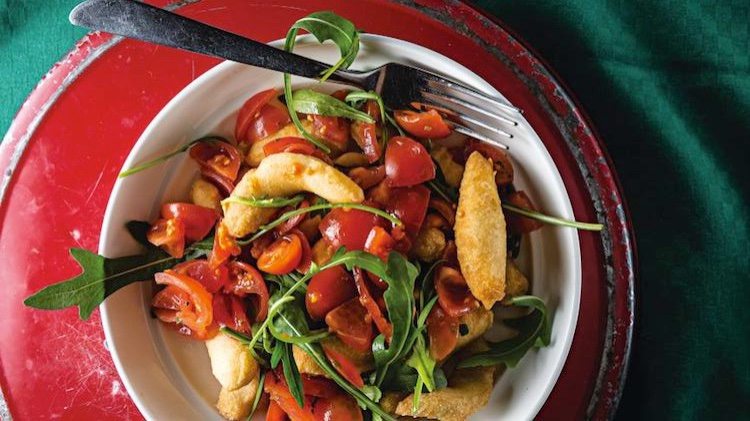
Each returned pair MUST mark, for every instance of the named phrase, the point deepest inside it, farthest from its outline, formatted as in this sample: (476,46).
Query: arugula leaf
(553,220)
(307,101)
(277,354)
(534,331)
(359,97)
(258,395)
(330,26)
(273,202)
(156,161)
(402,378)
(291,375)
(421,361)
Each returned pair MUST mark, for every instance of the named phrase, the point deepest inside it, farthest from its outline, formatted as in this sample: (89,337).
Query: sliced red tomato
(409,204)
(319,387)
(171,298)
(380,194)
(211,278)
(366,137)
(340,407)
(224,247)
(520,224)
(230,311)
(245,280)
(348,227)
(220,157)
(373,109)
(250,111)
(500,160)
(282,256)
(327,290)
(279,393)
(333,130)
(306,260)
(222,183)
(453,293)
(275,413)
(379,243)
(260,245)
(289,144)
(369,303)
(426,124)
(442,331)
(367,177)
(407,163)
(198,220)
(199,314)
(169,234)
(344,366)
(293,222)
(352,324)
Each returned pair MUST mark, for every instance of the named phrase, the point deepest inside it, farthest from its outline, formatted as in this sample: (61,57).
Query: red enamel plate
(63,151)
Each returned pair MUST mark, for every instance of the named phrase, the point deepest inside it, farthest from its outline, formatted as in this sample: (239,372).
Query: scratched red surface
(54,366)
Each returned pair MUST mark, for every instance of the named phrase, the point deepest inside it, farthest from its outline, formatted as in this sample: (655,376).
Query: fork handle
(141,21)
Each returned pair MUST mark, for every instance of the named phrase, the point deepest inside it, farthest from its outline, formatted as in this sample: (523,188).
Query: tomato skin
(500,161)
(275,413)
(348,227)
(410,204)
(282,256)
(295,145)
(169,234)
(352,324)
(426,124)
(379,243)
(520,224)
(327,290)
(279,393)
(367,177)
(369,303)
(442,331)
(224,247)
(220,157)
(339,407)
(319,387)
(222,183)
(345,367)
(293,222)
(250,111)
(229,311)
(201,271)
(198,220)
(333,130)
(272,117)
(245,280)
(407,163)
(171,298)
(365,135)
(453,292)
(305,260)
(199,314)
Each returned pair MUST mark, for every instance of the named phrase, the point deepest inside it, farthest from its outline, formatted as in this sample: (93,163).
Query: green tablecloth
(667,84)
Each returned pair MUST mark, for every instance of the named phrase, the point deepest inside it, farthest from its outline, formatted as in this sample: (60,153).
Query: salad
(340,260)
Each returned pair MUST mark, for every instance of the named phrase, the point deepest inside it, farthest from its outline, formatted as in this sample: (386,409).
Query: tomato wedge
(229,311)
(282,256)
(344,366)
(327,290)
(224,247)
(426,124)
(407,163)
(294,221)
(222,183)
(379,243)
(520,224)
(442,330)
(365,135)
(279,393)
(369,303)
(245,280)
(199,314)
(305,260)
(367,177)
(319,387)
(211,278)
(409,204)
(171,298)
(255,120)
(348,227)
(352,324)
(453,293)
(333,130)
(198,220)
(220,157)
(169,234)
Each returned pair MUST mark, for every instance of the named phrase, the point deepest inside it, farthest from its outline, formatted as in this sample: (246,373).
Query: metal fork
(471,112)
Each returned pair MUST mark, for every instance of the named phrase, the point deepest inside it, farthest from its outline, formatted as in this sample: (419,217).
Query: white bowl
(169,376)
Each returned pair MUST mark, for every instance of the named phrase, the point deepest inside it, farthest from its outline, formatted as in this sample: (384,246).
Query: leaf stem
(274,202)
(553,220)
(156,161)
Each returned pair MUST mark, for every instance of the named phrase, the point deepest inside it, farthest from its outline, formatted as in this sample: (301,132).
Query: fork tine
(467,105)
(470,120)
(442,85)
(471,133)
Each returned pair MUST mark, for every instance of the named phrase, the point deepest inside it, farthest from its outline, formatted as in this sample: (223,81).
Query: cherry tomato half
(282,256)
(198,220)
(333,130)
(339,407)
(379,243)
(218,156)
(224,246)
(365,135)
(453,293)
(327,290)
(169,234)
(255,120)
(171,298)
(352,324)
(211,278)
(520,224)
(199,314)
(442,330)
(367,177)
(409,204)
(229,311)
(245,280)
(306,260)
(292,223)
(369,303)
(319,387)
(348,227)
(426,124)
(407,163)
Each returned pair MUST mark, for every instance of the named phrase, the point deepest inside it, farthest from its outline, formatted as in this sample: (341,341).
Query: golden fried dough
(477,322)
(429,244)
(480,232)
(205,194)
(516,282)
(241,219)
(237,372)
